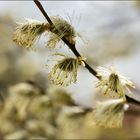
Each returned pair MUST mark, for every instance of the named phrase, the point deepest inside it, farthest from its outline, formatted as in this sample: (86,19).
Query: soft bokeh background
(110,33)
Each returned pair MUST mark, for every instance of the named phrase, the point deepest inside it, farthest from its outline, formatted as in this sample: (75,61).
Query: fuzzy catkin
(29,32)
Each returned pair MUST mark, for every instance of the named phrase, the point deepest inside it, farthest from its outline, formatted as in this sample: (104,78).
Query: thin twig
(39,5)
(71,46)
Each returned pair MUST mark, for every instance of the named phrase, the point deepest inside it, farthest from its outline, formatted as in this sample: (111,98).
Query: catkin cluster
(105,114)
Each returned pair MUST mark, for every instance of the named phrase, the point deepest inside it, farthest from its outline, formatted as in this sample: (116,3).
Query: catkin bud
(61,29)
(109,114)
(64,72)
(112,83)
(29,32)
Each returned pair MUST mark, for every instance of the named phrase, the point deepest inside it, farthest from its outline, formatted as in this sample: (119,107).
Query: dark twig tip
(43,11)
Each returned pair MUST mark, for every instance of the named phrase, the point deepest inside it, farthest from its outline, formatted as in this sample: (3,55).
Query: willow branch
(71,46)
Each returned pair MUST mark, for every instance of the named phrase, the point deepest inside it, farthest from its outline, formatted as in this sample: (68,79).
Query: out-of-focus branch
(131,100)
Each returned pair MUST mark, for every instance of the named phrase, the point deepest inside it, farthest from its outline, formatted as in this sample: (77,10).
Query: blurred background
(109,33)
